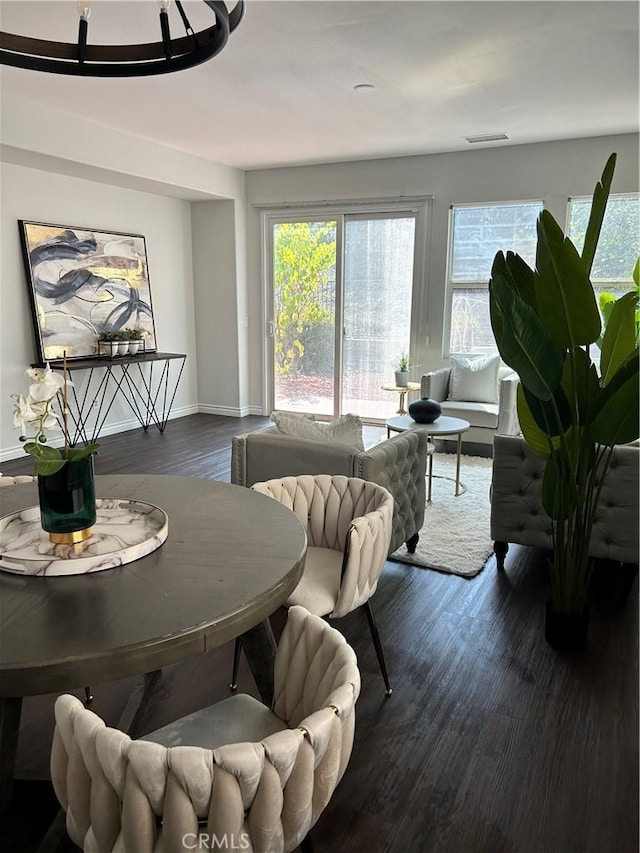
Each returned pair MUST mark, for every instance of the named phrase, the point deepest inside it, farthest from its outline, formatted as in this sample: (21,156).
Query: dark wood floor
(491,743)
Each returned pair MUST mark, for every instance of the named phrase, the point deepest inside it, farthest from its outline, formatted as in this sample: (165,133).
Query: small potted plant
(402,369)
(108,343)
(135,339)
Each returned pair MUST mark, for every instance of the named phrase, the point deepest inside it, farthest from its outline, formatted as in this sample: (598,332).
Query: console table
(150,393)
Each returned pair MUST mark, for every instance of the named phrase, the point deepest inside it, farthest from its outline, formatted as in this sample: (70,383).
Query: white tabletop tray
(124,531)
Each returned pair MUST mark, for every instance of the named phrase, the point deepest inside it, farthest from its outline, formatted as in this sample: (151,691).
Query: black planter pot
(425,411)
(566,632)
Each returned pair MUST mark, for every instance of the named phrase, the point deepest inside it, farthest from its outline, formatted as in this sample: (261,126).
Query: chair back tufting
(140,797)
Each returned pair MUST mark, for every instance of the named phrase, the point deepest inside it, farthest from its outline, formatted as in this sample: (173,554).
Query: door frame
(418,206)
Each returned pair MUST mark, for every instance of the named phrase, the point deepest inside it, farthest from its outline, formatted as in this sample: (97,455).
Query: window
(477,232)
(619,243)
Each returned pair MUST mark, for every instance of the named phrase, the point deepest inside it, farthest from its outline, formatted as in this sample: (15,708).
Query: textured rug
(455,537)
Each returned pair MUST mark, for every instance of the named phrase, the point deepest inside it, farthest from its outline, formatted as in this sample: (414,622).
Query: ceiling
(282,91)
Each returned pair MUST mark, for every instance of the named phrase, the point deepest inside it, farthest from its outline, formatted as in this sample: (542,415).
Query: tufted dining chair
(348,522)
(234,774)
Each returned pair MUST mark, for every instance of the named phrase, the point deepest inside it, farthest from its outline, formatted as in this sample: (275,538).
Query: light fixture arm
(128,60)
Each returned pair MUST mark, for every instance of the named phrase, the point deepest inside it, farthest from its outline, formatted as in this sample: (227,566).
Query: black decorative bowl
(425,411)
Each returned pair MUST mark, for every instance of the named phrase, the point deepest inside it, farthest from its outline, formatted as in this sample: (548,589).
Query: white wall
(60,168)
(166,224)
(550,171)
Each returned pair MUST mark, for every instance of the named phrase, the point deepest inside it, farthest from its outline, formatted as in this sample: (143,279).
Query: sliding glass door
(377,293)
(340,301)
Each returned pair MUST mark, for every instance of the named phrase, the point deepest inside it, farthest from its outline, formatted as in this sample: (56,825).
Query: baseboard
(231,411)
(17,451)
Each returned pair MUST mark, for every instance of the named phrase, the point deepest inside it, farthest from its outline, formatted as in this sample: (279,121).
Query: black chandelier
(126,60)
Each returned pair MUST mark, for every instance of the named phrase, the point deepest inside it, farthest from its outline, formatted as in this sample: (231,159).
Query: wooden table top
(231,558)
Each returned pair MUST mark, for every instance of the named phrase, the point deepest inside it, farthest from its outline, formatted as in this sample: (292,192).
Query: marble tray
(124,531)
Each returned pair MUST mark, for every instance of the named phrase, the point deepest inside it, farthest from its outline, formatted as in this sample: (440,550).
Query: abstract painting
(83,282)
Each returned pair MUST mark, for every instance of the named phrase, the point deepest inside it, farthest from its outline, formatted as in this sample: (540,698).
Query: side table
(402,390)
(441,426)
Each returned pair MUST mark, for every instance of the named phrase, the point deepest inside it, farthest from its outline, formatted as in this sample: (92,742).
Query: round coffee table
(441,426)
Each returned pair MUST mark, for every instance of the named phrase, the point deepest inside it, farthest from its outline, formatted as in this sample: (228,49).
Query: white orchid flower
(24,412)
(34,415)
(46,386)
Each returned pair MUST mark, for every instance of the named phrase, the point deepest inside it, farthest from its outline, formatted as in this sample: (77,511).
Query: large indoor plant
(545,322)
(65,474)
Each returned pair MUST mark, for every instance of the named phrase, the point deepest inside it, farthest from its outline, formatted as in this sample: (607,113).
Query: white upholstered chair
(348,523)
(487,419)
(259,777)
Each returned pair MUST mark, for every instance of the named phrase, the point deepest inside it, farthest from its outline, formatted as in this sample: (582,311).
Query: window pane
(378,282)
(480,232)
(619,243)
(477,234)
(304,271)
(470,324)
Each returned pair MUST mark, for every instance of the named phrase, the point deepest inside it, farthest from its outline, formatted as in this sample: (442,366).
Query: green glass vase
(68,502)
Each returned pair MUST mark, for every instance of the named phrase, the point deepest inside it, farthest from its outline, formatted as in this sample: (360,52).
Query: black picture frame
(83,281)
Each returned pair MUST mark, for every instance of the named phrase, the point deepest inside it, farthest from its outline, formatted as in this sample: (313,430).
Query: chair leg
(378,646)
(412,543)
(236,664)
(306,845)
(500,550)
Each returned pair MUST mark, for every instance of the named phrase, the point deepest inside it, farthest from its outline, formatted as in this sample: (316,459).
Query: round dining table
(231,558)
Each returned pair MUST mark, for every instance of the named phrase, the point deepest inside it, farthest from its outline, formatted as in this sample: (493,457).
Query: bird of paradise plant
(544,321)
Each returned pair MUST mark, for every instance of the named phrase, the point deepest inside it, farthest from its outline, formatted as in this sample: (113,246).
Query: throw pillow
(474,380)
(346,429)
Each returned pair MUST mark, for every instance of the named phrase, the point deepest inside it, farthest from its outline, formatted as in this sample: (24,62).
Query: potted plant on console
(66,486)
(545,321)
(108,343)
(135,338)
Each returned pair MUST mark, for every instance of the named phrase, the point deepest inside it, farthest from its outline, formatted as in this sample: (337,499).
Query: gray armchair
(517,514)
(486,419)
(398,464)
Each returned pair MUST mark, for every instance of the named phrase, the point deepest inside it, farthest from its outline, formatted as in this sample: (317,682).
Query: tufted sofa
(517,514)
(399,464)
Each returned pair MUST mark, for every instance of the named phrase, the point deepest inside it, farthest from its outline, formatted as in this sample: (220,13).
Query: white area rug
(455,537)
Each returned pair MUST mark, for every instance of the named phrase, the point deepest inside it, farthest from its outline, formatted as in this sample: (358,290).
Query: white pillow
(346,429)
(474,380)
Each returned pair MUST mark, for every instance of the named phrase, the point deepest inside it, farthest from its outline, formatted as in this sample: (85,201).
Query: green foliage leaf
(523,342)
(558,497)
(636,273)
(580,385)
(617,413)
(75,453)
(552,416)
(519,275)
(564,295)
(45,467)
(304,264)
(43,451)
(598,208)
(619,338)
(536,438)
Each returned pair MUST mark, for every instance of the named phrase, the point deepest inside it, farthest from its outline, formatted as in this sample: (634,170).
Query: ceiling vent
(487,137)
